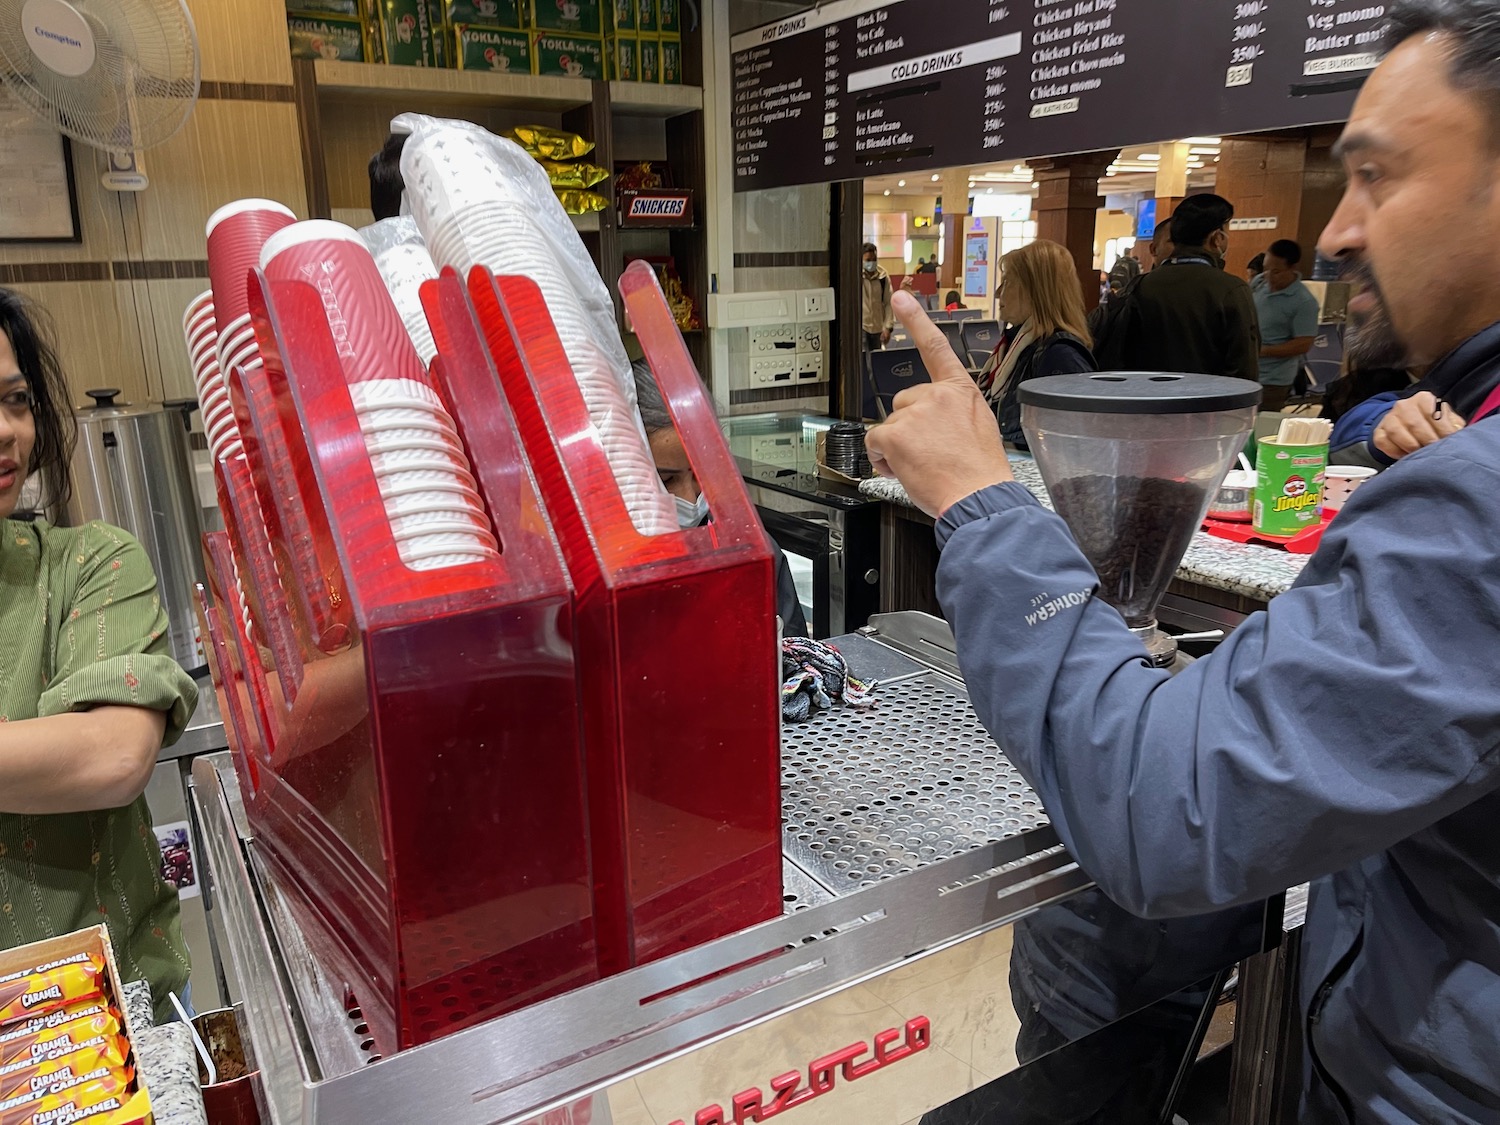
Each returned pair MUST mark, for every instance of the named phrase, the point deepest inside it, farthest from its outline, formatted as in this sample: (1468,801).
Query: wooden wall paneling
(1262,178)
(243,40)
(98,337)
(228,150)
(310,133)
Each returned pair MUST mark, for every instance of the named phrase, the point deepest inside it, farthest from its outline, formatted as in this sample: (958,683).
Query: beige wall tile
(243,40)
(228,150)
(99,339)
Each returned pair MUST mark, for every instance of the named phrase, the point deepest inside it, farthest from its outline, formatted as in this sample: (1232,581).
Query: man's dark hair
(1472,26)
(1197,217)
(1257,264)
(1287,250)
(869,249)
(31,339)
(386,184)
(1163,227)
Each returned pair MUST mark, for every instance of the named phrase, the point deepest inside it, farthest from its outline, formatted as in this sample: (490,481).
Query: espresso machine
(1131,460)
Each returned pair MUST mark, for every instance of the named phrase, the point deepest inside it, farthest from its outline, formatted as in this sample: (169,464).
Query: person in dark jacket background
(1348,735)
(1042,300)
(1187,314)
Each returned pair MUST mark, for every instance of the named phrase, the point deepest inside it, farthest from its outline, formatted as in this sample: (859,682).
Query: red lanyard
(1491,405)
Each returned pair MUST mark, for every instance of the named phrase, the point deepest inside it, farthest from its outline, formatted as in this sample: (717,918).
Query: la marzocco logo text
(788,1091)
(57,37)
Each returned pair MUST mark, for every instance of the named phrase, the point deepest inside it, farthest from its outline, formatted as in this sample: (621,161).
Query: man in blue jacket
(1351,734)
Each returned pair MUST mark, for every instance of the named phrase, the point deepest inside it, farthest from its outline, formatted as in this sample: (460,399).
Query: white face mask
(690,513)
(871,267)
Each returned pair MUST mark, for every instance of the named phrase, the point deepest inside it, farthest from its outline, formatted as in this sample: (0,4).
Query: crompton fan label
(58,36)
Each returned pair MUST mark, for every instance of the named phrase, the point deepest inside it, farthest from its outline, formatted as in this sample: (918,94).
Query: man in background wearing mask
(879,320)
(1187,314)
(676,474)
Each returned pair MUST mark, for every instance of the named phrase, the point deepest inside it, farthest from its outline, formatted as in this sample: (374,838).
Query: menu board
(857,88)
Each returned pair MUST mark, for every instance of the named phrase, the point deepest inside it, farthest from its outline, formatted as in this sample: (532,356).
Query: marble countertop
(1245,569)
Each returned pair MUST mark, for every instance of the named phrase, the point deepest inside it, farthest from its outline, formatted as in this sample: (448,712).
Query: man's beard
(1370,343)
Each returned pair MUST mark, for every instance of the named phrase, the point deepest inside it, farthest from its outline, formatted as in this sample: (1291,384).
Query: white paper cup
(1339,483)
(404,441)
(411,483)
(393,392)
(408,529)
(390,462)
(435,500)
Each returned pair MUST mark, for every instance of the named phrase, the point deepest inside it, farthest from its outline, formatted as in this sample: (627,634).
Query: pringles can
(1289,488)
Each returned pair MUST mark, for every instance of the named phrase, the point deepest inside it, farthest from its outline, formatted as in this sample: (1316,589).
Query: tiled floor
(962,991)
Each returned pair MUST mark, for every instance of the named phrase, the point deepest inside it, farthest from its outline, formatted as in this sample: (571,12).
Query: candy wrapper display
(64,1051)
(685,310)
(582,202)
(481,200)
(577,177)
(542,143)
(640,177)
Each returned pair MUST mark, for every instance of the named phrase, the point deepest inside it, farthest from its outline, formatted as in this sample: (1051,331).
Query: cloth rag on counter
(815,677)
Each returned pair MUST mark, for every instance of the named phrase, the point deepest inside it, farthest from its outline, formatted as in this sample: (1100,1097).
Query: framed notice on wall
(39,194)
(977,264)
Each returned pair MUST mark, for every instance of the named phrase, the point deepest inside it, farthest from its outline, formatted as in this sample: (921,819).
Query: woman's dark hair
(1473,28)
(386,184)
(952,298)
(1197,217)
(29,330)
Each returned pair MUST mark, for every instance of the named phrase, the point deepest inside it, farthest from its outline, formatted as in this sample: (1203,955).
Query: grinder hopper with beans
(1131,461)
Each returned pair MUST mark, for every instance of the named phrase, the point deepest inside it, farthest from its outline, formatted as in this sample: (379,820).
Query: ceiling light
(900,183)
(936,177)
(1204,151)
(989,191)
(1110,172)
(1018,169)
(888,191)
(1201,141)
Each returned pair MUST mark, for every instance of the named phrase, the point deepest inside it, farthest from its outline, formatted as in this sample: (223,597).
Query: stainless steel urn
(132,468)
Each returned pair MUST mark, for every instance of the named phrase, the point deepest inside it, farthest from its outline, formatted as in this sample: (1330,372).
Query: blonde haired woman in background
(1041,302)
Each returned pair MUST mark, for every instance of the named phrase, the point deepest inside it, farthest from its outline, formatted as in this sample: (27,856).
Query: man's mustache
(1358,273)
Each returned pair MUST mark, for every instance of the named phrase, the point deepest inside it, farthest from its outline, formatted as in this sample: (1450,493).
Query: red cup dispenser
(677,640)
(420,771)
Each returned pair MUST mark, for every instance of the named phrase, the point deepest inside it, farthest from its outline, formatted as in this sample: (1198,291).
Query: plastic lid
(1140,392)
(240,206)
(313,230)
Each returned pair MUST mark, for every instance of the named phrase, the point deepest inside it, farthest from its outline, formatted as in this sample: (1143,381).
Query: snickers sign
(662,207)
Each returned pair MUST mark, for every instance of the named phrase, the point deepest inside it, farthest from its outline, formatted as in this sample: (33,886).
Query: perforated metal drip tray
(868,795)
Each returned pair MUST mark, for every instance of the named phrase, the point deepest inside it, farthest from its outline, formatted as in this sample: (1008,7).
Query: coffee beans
(1134,532)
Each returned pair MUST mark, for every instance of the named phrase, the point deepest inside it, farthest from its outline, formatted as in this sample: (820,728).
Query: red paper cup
(236,233)
(372,337)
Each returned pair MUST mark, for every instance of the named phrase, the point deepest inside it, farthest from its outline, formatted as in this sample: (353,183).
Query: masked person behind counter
(88,696)
(692,508)
(1348,735)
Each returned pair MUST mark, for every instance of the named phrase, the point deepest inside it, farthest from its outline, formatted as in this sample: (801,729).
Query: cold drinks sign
(871,87)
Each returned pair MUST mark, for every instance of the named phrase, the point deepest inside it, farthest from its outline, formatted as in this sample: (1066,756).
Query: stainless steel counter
(205,730)
(906,876)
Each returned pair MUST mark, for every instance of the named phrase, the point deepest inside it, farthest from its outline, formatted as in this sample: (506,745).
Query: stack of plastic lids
(437,517)
(405,264)
(481,201)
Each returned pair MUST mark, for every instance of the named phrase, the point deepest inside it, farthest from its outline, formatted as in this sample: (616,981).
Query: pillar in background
(1067,209)
(1171,177)
(1263,179)
(955,211)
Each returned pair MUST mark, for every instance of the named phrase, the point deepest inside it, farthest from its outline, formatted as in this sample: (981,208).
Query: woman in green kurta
(88,695)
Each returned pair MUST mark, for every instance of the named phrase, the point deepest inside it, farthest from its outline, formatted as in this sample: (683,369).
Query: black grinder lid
(1140,392)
